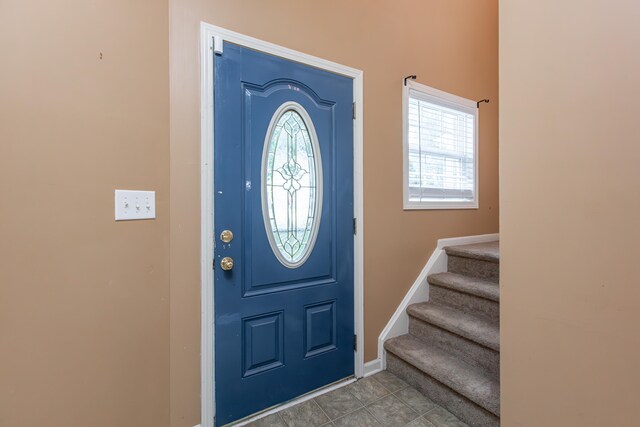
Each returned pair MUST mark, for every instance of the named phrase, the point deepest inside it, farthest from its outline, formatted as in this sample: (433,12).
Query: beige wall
(449,44)
(569,155)
(84,302)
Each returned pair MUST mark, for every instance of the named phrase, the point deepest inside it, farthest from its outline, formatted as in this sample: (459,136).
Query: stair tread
(475,328)
(466,284)
(472,382)
(486,251)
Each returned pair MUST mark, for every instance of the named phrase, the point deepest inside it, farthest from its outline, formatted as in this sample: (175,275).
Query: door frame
(211,42)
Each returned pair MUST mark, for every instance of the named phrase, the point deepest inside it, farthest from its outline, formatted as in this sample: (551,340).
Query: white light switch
(133,204)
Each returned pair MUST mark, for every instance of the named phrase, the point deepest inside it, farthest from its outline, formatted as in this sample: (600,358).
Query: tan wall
(84,302)
(451,45)
(569,213)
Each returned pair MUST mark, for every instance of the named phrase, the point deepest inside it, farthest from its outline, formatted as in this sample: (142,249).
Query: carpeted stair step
(466,391)
(478,329)
(486,251)
(481,260)
(466,293)
(469,351)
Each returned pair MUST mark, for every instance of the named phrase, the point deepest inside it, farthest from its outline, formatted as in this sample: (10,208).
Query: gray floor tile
(338,402)
(440,417)
(272,420)
(367,390)
(360,418)
(390,381)
(420,422)
(306,414)
(416,400)
(391,412)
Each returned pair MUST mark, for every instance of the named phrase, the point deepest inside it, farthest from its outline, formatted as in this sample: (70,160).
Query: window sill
(451,205)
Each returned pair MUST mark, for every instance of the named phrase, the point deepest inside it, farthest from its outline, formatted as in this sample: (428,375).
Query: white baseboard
(372,367)
(419,291)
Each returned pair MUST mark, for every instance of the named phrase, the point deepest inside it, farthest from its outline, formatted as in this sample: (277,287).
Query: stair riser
(455,403)
(468,303)
(469,351)
(474,268)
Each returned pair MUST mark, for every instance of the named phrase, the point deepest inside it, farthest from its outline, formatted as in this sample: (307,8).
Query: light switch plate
(134,204)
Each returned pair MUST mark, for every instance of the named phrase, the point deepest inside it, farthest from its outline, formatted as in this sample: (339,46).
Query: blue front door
(283,214)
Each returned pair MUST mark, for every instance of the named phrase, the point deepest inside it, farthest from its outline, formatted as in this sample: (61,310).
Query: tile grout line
(430,424)
(401,401)
(366,406)
(394,394)
(360,408)
(343,415)
(437,405)
(279,414)
(374,417)
(407,403)
(389,393)
(373,377)
(323,411)
(415,410)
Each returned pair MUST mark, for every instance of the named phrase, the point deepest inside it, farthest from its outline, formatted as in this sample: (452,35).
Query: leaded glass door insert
(292,184)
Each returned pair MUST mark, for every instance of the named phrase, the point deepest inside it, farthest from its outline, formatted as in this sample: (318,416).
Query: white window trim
(446,99)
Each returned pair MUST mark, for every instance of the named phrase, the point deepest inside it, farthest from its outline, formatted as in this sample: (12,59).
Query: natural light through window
(440,149)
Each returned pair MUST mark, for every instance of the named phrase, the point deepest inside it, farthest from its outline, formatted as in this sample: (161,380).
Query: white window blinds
(440,148)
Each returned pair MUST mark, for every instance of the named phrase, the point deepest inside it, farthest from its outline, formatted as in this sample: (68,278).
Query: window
(440,149)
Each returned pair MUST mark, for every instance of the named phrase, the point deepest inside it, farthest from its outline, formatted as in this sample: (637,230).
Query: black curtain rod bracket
(412,77)
(481,101)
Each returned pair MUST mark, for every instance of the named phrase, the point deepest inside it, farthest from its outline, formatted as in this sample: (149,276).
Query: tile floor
(381,400)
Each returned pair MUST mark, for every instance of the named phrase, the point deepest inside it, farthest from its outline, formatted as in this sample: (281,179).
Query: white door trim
(211,40)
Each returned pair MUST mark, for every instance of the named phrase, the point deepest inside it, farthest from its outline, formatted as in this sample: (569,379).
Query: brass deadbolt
(226,236)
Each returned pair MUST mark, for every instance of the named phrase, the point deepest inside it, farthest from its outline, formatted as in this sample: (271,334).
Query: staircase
(452,351)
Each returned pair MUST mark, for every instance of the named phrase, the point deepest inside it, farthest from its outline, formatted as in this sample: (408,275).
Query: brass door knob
(226,263)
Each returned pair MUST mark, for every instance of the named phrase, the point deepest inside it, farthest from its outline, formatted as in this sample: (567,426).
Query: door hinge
(353,111)
(355,226)
(355,342)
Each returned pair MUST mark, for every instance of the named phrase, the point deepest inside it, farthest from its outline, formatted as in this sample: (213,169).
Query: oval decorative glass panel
(292,184)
